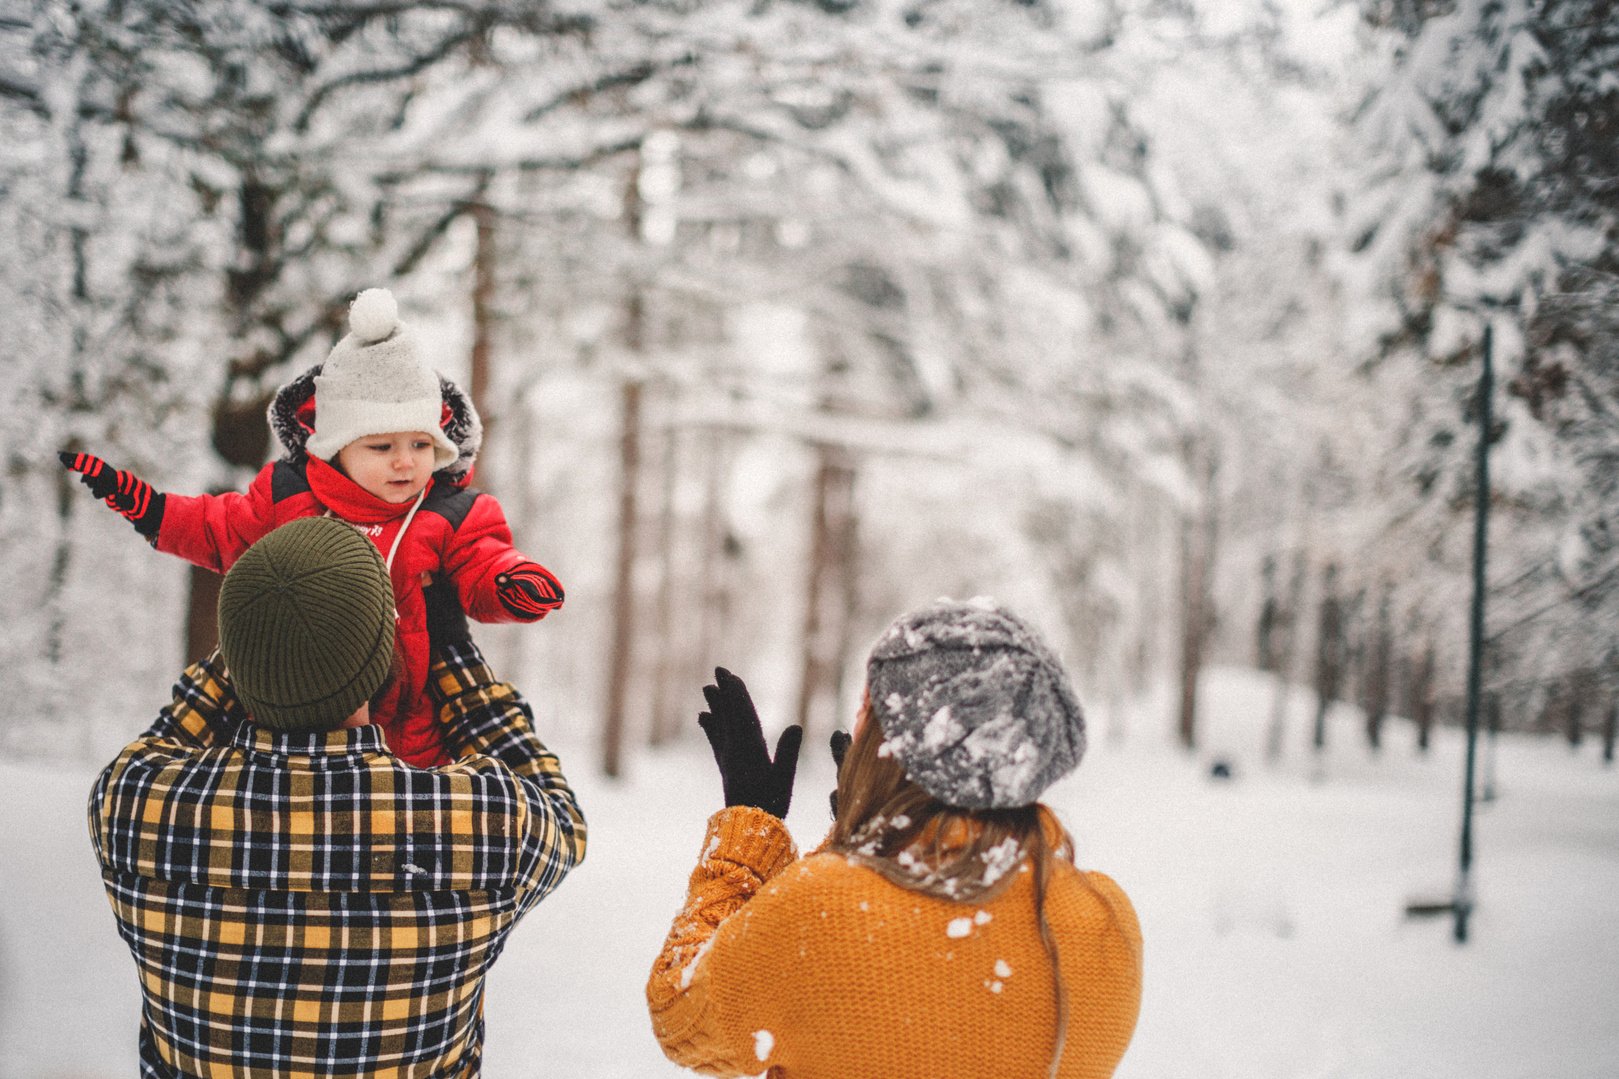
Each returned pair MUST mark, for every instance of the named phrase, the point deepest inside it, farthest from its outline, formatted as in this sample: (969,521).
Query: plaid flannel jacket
(309,905)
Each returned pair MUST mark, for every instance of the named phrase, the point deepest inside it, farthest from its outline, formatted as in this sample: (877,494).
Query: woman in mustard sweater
(941,929)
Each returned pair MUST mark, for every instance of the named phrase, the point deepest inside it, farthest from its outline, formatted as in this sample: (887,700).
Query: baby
(375,438)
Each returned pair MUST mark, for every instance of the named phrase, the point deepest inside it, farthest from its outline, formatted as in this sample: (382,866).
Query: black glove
(840,747)
(529,591)
(125,492)
(747,774)
(446,622)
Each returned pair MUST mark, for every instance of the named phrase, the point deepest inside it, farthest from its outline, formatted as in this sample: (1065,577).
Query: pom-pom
(374,315)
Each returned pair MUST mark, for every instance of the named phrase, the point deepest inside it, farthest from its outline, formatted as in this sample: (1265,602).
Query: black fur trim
(283,415)
(464,427)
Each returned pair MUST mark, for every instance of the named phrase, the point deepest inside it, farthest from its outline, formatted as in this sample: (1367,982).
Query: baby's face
(394,467)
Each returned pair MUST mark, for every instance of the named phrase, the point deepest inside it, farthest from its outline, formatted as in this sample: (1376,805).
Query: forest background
(1162,322)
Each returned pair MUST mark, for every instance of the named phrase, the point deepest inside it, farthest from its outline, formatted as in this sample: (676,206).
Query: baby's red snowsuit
(456,533)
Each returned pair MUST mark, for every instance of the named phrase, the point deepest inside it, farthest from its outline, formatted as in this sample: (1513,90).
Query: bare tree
(828,580)
(1376,681)
(620,655)
(1199,533)
(1331,654)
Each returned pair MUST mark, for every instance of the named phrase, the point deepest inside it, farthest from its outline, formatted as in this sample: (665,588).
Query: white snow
(763,1043)
(958,927)
(1276,946)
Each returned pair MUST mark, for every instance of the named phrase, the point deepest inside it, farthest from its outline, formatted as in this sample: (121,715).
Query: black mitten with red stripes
(529,591)
(125,492)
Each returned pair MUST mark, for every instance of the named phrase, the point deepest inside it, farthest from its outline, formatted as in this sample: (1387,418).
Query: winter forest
(1161,321)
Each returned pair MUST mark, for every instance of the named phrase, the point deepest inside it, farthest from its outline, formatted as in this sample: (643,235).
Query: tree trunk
(1330,655)
(241,437)
(1198,536)
(713,554)
(825,614)
(1422,697)
(1580,689)
(61,562)
(483,297)
(620,664)
(849,597)
(665,723)
(1285,651)
(1610,728)
(240,433)
(1380,658)
(1268,633)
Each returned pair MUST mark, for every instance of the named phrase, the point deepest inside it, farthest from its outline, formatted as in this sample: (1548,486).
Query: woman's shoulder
(820,870)
(1097,895)
(827,881)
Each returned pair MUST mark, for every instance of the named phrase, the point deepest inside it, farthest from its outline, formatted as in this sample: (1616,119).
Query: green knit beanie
(306,624)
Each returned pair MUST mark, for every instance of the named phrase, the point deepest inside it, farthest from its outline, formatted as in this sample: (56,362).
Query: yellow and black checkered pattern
(309,905)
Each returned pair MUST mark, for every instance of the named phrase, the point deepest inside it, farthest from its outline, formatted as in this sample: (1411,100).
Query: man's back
(306,904)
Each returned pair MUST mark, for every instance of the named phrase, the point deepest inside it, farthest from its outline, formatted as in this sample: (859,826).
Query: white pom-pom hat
(374,382)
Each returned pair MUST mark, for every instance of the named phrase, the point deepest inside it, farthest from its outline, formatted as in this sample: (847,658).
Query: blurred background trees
(785,316)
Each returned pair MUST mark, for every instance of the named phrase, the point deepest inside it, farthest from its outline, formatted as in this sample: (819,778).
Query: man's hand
(747,773)
(528,591)
(125,492)
(446,622)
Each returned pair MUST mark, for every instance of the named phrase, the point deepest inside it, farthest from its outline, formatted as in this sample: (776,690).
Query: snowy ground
(1271,905)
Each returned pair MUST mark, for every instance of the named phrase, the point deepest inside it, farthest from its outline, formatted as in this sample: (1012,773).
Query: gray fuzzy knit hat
(306,624)
(976,708)
(374,382)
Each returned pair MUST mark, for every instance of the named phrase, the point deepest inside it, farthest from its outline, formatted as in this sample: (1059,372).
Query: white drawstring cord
(401,533)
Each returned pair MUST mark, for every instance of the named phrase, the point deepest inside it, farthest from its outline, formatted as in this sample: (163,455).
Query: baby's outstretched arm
(210,531)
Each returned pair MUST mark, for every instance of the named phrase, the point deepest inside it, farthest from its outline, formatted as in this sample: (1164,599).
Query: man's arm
(204,711)
(488,718)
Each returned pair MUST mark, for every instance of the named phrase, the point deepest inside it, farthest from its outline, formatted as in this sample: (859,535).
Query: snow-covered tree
(1491,148)
(952,221)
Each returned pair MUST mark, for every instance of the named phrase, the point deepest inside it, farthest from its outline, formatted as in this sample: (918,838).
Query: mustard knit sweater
(817,968)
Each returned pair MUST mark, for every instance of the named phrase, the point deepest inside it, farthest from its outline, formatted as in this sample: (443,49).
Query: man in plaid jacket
(300,902)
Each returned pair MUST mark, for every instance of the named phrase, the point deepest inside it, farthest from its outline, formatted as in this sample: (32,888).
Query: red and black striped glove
(529,591)
(125,492)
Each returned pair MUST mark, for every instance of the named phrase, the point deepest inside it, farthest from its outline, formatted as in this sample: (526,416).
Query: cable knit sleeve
(742,850)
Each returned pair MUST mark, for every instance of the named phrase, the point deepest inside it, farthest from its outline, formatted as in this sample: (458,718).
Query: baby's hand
(529,591)
(124,492)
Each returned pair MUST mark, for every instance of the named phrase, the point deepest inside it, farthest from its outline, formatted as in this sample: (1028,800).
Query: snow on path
(1271,905)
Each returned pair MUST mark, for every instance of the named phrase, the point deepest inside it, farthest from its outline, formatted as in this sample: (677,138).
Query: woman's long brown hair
(890,824)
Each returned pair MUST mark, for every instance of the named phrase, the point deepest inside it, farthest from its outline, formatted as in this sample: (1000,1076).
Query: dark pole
(1475,649)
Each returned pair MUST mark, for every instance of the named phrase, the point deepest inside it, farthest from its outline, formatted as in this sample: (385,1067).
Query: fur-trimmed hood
(292,418)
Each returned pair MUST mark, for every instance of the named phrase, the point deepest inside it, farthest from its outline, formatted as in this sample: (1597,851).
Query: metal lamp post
(1475,651)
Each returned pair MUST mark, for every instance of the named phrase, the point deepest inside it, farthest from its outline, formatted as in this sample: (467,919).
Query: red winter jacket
(458,533)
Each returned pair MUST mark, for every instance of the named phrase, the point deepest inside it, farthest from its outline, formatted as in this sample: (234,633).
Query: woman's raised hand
(840,747)
(747,773)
